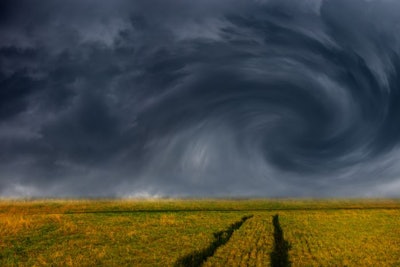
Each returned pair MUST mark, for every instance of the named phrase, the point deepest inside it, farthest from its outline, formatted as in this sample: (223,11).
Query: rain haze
(173,98)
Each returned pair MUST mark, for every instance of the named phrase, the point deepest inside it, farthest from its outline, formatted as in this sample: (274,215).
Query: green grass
(160,232)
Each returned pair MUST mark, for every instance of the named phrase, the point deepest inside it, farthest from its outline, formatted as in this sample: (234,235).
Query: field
(254,232)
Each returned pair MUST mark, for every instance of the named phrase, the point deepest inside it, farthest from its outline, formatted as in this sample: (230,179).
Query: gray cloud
(174,98)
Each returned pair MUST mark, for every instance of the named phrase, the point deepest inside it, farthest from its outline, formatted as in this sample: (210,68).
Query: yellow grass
(343,238)
(159,232)
(249,246)
(30,237)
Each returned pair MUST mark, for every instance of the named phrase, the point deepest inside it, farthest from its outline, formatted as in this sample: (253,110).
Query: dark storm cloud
(230,97)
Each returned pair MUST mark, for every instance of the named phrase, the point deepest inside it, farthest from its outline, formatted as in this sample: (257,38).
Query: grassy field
(200,232)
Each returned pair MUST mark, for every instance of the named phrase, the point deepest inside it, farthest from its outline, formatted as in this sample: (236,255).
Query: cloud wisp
(213,98)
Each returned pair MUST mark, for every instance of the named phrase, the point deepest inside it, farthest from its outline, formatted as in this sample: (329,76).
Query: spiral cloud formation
(200,98)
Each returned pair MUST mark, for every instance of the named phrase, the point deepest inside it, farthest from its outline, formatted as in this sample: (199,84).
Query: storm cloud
(199,98)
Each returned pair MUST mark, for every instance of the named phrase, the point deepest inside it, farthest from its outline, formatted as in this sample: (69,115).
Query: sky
(174,98)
